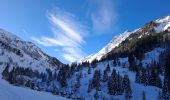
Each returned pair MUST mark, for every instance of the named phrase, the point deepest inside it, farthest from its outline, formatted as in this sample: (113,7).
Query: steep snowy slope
(151,92)
(162,24)
(16,52)
(114,43)
(20,53)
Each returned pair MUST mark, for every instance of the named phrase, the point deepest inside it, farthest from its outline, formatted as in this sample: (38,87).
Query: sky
(72,29)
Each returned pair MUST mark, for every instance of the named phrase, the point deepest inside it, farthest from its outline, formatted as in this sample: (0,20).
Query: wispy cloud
(103,15)
(68,34)
(46,41)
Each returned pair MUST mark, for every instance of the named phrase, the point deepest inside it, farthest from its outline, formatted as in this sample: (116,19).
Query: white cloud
(68,34)
(47,41)
(72,53)
(103,15)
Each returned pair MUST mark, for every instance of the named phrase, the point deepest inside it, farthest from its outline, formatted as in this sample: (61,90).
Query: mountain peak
(163,19)
(162,25)
(111,45)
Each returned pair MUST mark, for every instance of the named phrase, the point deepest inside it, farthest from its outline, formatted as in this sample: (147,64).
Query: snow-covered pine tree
(89,70)
(132,62)
(62,76)
(77,83)
(108,68)
(105,75)
(127,87)
(111,85)
(96,80)
(90,86)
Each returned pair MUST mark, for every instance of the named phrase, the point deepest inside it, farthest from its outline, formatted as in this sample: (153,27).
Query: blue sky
(72,29)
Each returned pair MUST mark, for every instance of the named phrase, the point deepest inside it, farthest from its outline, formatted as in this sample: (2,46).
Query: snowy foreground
(10,92)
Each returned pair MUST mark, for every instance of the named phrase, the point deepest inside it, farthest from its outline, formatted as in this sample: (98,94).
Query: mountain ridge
(164,25)
(15,45)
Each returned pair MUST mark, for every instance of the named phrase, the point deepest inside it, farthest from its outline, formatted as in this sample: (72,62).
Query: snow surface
(10,92)
(152,56)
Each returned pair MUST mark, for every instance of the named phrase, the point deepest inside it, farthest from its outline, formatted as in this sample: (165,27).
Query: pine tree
(153,78)
(73,68)
(5,72)
(77,84)
(143,76)
(111,86)
(89,70)
(105,76)
(119,84)
(49,73)
(113,73)
(90,86)
(55,75)
(143,96)
(43,77)
(166,85)
(96,79)
(108,68)
(62,76)
(114,63)
(138,76)
(127,87)
(12,76)
(132,62)
(115,84)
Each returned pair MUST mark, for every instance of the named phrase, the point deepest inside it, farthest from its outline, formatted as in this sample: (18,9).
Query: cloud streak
(68,34)
(103,15)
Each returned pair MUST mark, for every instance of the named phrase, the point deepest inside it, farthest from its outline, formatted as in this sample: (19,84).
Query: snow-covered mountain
(162,24)
(17,53)
(111,45)
(133,66)
(20,53)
